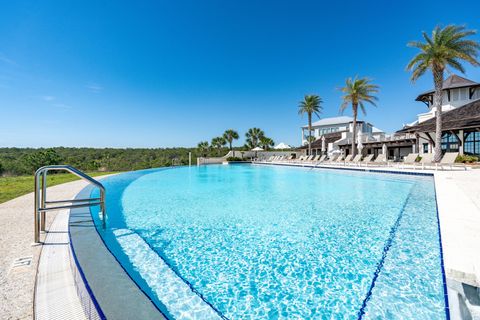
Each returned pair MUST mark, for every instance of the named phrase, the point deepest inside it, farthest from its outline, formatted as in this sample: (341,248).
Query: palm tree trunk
(230,143)
(355,109)
(437,103)
(309,134)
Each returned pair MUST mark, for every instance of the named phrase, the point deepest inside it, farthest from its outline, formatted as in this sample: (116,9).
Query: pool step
(170,289)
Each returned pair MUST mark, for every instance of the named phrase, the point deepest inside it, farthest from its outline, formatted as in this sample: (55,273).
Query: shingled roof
(465,117)
(451,82)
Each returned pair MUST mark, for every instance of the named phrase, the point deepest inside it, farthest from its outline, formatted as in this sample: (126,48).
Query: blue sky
(172,73)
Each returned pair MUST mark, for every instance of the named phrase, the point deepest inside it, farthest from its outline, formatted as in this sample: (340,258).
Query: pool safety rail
(41,205)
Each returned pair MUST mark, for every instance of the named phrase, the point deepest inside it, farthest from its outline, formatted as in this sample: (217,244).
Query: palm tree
(253,136)
(357,92)
(311,105)
(266,143)
(229,136)
(447,47)
(218,143)
(202,146)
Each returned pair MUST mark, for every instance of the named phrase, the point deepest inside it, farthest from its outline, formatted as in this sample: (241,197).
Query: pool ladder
(41,205)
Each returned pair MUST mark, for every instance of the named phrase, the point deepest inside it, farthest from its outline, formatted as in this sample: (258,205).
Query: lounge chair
(338,160)
(315,159)
(347,160)
(449,160)
(356,160)
(322,159)
(427,159)
(333,158)
(410,159)
(381,159)
(368,159)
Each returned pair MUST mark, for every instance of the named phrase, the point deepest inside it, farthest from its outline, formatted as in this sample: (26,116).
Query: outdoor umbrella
(257,149)
(323,145)
(359,142)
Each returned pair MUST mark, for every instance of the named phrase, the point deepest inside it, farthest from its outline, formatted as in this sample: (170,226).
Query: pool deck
(458,198)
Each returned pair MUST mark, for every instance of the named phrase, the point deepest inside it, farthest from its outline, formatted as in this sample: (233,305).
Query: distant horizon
(166,75)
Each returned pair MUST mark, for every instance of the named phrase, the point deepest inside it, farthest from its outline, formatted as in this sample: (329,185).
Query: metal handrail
(40,204)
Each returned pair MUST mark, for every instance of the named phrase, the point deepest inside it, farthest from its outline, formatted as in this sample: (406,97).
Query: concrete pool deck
(458,198)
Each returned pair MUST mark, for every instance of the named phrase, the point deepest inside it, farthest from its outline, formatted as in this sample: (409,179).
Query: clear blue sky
(158,73)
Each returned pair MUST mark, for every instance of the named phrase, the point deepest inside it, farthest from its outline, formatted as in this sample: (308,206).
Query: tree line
(22,161)
(254,137)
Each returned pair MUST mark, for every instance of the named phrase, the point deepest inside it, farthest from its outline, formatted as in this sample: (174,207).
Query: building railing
(41,205)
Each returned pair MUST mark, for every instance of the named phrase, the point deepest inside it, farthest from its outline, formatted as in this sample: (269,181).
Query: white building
(337,130)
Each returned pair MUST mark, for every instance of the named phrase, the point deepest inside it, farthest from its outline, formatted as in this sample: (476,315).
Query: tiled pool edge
(444,277)
(149,309)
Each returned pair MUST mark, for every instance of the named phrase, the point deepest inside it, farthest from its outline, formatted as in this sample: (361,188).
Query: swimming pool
(269,242)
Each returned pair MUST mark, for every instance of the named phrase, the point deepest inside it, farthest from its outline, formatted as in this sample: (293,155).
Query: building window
(425,148)
(471,144)
(463,94)
(449,142)
(454,95)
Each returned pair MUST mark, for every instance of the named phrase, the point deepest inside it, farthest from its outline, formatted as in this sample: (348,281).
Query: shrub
(234,159)
(466,159)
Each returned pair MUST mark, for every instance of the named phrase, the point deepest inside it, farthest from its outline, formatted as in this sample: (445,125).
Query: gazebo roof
(451,82)
(465,117)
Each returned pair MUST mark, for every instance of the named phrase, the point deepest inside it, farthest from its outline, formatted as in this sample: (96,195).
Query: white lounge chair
(410,159)
(347,159)
(356,160)
(368,159)
(427,159)
(449,160)
(381,159)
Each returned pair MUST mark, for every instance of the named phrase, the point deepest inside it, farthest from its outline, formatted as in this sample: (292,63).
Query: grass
(12,187)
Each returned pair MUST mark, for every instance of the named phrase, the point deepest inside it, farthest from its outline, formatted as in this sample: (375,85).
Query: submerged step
(170,289)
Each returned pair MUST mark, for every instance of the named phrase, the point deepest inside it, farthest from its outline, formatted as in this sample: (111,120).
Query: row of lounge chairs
(410,161)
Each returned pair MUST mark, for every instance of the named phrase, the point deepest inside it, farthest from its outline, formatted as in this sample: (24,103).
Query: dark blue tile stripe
(444,278)
(386,249)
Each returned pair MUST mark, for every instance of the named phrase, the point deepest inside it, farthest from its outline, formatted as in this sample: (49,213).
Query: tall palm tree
(311,105)
(230,135)
(266,143)
(253,136)
(218,143)
(446,47)
(357,92)
(202,146)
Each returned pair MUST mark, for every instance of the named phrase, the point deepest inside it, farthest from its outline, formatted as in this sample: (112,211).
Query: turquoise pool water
(270,242)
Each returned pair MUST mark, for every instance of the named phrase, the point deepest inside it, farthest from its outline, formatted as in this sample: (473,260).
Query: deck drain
(22,262)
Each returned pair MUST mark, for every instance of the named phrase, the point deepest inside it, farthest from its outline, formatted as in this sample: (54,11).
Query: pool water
(274,242)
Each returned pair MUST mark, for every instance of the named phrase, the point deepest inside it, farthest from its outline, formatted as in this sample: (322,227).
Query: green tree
(42,158)
(310,105)
(202,147)
(253,136)
(447,47)
(230,135)
(218,143)
(265,143)
(357,92)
